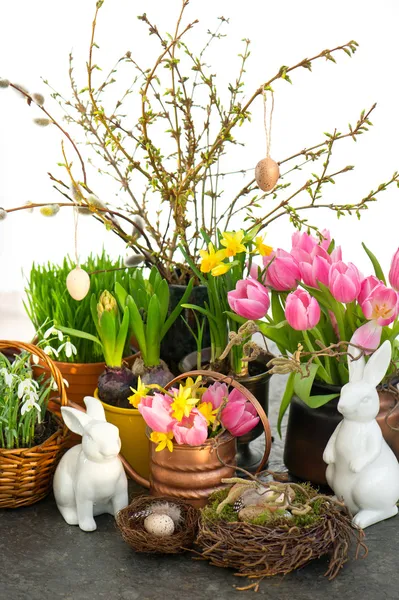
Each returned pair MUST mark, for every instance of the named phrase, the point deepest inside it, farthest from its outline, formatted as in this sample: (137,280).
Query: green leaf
(121,337)
(285,401)
(377,267)
(107,324)
(121,295)
(137,325)
(205,312)
(162,293)
(80,334)
(317,401)
(152,332)
(277,309)
(178,309)
(303,381)
(192,266)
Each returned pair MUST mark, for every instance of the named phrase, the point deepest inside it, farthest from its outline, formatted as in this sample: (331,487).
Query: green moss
(228,514)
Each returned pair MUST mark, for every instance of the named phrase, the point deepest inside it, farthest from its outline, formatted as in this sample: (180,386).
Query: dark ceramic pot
(309,429)
(179,342)
(249,455)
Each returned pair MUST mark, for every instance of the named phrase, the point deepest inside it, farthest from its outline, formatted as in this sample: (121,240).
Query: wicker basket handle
(54,370)
(230,381)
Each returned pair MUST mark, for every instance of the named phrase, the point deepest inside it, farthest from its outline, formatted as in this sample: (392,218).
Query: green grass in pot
(48,301)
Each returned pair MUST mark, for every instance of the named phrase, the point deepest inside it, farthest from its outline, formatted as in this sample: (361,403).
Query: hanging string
(268,126)
(75,221)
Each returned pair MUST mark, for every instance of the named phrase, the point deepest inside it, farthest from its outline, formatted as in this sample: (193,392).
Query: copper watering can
(193,473)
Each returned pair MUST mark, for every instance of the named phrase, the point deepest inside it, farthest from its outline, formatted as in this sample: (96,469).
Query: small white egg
(159,525)
(78,283)
(267,173)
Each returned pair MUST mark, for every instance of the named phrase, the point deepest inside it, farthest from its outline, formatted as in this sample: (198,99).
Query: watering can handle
(128,469)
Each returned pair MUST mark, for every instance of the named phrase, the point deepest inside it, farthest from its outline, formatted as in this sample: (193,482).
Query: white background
(36,38)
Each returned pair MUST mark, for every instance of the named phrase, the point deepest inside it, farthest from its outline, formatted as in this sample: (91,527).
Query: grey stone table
(42,558)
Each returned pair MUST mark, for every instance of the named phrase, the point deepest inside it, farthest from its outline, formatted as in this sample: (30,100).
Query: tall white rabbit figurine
(362,469)
(90,479)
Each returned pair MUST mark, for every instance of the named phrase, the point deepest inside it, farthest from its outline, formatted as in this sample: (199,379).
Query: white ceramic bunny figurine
(90,479)
(362,469)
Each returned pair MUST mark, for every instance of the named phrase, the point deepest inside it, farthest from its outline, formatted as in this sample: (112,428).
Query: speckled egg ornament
(267,171)
(159,525)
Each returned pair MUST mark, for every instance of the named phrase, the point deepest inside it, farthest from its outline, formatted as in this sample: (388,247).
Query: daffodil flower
(211,258)
(141,392)
(232,241)
(196,389)
(206,409)
(221,269)
(49,350)
(164,440)
(262,248)
(29,402)
(27,386)
(69,349)
(182,403)
(53,331)
(8,377)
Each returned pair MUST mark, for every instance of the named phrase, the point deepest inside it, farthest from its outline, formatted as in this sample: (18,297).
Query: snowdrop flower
(27,386)
(69,349)
(50,350)
(35,359)
(8,377)
(29,402)
(54,331)
(66,383)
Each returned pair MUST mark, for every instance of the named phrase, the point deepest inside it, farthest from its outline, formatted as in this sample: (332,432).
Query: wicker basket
(26,473)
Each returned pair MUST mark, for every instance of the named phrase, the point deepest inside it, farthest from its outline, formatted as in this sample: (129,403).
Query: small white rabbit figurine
(90,479)
(362,469)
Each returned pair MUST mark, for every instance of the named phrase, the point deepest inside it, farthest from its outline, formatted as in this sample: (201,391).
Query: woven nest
(282,544)
(130,522)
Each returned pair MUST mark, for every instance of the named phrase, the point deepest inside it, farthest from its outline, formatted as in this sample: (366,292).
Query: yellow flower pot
(135,443)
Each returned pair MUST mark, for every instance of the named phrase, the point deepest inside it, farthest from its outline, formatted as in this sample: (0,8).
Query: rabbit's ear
(75,420)
(378,364)
(94,408)
(356,367)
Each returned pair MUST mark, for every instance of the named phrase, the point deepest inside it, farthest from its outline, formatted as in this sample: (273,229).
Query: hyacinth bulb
(78,283)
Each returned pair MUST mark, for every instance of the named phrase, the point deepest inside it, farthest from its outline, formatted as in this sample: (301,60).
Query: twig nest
(159,525)
(267,173)
(78,283)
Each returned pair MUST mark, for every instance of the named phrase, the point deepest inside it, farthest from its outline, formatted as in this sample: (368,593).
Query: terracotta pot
(309,429)
(193,473)
(249,455)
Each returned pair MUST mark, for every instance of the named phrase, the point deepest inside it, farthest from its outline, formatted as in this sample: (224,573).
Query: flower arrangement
(318,303)
(23,402)
(193,413)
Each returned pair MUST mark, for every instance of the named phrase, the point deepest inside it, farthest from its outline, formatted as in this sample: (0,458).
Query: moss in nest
(228,514)
(269,517)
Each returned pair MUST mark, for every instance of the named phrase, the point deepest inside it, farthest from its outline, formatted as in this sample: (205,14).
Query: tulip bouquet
(318,302)
(193,413)
(222,268)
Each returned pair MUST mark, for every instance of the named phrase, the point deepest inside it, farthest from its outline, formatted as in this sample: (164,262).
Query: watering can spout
(130,472)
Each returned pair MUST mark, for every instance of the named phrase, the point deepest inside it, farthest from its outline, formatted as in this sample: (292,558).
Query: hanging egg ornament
(267,173)
(78,283)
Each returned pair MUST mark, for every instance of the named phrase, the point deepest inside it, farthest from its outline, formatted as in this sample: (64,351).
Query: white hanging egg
(159,525)
(78,283)
(267,173)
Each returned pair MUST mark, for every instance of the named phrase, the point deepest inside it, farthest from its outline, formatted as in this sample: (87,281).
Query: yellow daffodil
(196,389)
(232,241)
(183,402)
(138,394)
(206,408)
(211,258)
(164,440)
(262,248)
(220,269)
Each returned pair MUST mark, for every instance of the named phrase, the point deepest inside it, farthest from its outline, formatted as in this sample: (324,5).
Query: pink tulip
(381,305)
(215,394)
(302,311)
(192,430)
(316,271)
(368,284)
(327,239)
(283,272)
(240,415)
(394,271)
(303,241)
(368,336)
(250,299)
(155,411)
(344,281)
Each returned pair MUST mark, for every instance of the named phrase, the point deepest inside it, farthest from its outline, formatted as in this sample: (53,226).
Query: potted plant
(192,430)
(318,305)
(32,440)
(50,308)
(181,187)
